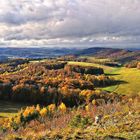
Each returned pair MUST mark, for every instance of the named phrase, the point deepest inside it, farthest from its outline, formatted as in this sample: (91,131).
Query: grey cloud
(80,21)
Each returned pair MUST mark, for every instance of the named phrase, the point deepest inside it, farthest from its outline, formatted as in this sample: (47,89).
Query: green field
(131,81)
(94,59)
(9,109)
(107,69)
(130,78)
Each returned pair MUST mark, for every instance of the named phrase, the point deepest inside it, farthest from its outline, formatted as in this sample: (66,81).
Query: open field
(107,69)
(130,78)
(97,60)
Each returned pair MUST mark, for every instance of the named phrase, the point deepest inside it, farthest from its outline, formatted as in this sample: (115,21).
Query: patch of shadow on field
(115,83)
(118,82)
(8,110)
(2,117)
(109,74)
(6,107)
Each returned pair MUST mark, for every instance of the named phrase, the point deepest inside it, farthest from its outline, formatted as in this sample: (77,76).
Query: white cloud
(42,22)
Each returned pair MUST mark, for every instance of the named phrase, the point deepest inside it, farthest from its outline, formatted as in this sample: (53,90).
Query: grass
(9,109)
(36,61)
(106,68)
(94,59)
(130,78)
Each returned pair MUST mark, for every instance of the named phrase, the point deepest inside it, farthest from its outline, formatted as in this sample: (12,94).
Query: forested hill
(122,55)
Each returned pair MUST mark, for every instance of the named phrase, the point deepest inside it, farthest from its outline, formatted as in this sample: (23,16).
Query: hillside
(121,55)
(130,78)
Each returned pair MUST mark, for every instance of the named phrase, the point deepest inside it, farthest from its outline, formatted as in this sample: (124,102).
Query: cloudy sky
(50,22)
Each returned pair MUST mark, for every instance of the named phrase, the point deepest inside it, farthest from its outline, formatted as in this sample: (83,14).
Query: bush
(79,121)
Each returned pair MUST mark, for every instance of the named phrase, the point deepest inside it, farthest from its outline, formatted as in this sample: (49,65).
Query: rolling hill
(121,55)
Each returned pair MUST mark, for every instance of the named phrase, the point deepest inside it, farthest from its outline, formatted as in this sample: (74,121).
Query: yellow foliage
(38,107)
(52,107)
(8,125)
(98,91)
(29,110)
(106,117)
(62,107)
(87,107)
(87,93)
(25,113)
(94,102)
(18,119)
(43,112)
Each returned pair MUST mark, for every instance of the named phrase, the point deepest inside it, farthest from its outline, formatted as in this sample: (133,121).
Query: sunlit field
(130,78)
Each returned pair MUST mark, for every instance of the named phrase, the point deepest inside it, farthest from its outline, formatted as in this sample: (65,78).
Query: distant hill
(121,55)
(34,53)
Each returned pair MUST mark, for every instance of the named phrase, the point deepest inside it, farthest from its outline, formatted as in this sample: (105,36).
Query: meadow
(129,77)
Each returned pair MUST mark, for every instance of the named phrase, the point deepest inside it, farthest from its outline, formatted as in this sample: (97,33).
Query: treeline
(13,65)
(85,69)
(54,82)
(53,65)
(47,95)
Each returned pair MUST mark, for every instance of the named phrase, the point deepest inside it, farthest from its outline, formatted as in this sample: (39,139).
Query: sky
(69,22)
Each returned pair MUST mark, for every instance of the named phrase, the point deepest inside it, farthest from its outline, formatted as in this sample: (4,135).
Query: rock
(98,119)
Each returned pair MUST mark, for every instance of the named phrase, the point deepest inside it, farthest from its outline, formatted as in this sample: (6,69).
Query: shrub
(62,107)
(79,121)
(43,112)
(51,108)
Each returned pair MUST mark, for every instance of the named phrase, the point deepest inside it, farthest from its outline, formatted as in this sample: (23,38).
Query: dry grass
(120,119)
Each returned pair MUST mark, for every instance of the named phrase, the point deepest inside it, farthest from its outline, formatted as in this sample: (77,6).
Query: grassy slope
(106,68)
(93,59)
(130,77)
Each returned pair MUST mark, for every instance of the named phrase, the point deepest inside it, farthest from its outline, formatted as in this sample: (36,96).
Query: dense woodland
(54,82)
